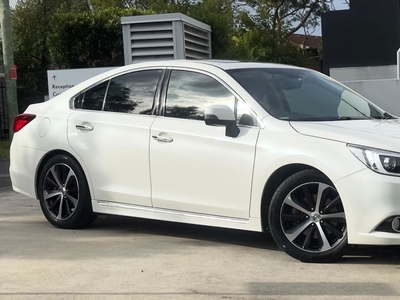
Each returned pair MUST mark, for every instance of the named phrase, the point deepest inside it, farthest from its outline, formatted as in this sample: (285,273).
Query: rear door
(110,128)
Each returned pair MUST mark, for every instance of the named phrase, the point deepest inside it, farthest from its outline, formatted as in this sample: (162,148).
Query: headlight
(381,161)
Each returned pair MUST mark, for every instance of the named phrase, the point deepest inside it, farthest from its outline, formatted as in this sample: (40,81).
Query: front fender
(276,149)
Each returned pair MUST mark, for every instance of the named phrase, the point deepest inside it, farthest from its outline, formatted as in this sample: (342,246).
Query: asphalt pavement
(128,258)
(4,174)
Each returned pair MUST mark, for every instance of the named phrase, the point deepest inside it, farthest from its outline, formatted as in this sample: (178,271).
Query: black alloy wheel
(64,194)
(307,218)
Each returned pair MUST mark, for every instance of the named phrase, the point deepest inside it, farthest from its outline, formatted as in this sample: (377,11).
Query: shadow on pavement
(354,254)
(195,232)
(373,255)
(24,225)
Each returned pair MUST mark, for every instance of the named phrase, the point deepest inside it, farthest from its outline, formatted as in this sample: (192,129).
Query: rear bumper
(369,199)
(23,167)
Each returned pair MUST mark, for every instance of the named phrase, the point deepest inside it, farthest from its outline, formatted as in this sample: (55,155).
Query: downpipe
(398,64)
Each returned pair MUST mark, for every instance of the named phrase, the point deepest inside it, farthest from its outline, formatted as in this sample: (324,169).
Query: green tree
(265,25)
(286,16)
(88,39)
(32,23)
(105,4)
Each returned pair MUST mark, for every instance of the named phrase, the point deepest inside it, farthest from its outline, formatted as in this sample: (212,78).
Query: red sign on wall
(13,72)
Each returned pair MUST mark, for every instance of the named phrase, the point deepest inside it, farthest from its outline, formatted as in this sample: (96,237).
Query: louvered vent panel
(165,37)
(197,43)
(152,41)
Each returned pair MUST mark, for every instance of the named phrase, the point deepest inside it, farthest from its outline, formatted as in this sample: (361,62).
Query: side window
(189,93)
(133,92)
(93,98)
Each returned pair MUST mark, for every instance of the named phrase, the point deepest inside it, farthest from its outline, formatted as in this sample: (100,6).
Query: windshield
(304,95)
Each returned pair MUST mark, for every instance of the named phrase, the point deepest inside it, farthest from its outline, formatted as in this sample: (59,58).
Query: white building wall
(364,73)
(384,93)
(377,84)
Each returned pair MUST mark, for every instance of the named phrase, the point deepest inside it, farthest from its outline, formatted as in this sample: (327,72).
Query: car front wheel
(307,218)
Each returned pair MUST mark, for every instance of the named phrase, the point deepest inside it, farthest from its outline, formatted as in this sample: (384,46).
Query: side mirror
(222,115)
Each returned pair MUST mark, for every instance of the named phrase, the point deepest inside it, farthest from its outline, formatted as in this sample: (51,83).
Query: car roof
(231,64)
(222,64)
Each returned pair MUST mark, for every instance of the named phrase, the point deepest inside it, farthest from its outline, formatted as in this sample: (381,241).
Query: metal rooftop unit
(165,36)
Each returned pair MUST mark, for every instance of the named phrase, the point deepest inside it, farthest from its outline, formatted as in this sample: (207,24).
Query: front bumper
(369,199)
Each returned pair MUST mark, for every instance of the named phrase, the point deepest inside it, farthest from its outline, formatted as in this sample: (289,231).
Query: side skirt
(129,210)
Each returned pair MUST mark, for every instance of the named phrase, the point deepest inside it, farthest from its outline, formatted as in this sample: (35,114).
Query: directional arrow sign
(62,80)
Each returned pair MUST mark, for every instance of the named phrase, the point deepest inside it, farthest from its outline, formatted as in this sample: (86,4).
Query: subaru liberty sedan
(249,146)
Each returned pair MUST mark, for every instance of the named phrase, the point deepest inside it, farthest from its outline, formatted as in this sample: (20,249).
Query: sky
(339,6)
(13,2)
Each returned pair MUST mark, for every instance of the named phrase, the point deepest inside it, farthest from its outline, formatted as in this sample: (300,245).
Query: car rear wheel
(64,194)
(307,218)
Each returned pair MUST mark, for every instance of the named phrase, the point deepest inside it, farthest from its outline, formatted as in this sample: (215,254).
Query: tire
(297,226)
(64,194)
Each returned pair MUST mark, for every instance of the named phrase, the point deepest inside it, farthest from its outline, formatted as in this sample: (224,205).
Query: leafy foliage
(286,16)
(88,39)
(31,21)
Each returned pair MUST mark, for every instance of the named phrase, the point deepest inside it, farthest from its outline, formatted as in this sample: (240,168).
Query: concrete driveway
(122,258)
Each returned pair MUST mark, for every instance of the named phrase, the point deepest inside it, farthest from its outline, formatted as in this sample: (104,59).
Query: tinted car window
(133,92)
(189,93)
(93,98)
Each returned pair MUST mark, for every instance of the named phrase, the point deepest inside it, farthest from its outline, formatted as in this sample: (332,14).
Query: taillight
(22,120)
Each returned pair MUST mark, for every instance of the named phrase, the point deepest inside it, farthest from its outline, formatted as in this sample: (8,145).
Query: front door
(195,167)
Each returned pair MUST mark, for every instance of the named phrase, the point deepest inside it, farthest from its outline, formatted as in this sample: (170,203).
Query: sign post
(8,56)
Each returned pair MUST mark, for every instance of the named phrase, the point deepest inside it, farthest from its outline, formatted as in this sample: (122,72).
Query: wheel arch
(47,157)
(273,182)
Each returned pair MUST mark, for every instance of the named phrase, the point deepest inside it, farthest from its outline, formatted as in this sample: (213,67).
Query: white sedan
(249,146)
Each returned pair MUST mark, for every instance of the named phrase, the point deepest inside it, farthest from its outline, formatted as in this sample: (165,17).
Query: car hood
(382,134)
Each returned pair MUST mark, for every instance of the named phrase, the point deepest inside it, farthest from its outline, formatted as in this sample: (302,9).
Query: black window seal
(163,98)
(158,94)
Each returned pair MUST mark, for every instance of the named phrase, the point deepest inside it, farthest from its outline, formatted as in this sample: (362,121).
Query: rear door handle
(84,127)
(162,139)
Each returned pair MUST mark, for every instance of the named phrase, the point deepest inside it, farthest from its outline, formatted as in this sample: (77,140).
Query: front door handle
(84,127)
(162,139)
